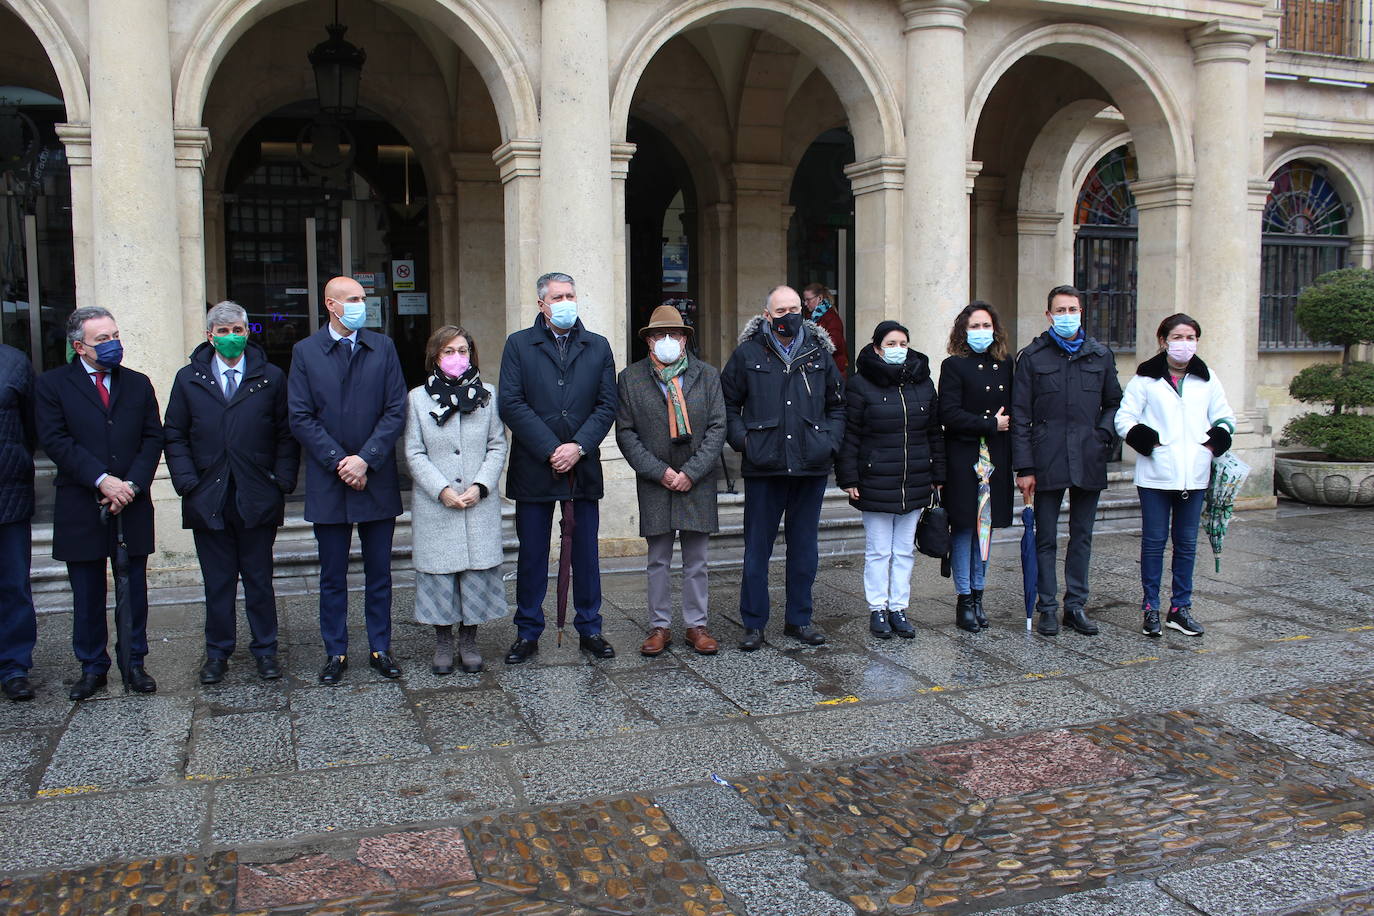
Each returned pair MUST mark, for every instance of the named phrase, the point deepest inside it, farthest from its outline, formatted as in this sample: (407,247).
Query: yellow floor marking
(838,701)
(67,790)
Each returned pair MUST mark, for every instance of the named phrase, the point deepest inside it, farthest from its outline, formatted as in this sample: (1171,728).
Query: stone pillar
(1038,270)
(134,184)
(937,210)
(443,265)
(475,275)
(192,146)
(518,163)
(76,138)
(1162,247)
(1224,254)
(575,199)
(877,185)
(760,236)
(720,324)
(621,154)
(990,281)
(216,281)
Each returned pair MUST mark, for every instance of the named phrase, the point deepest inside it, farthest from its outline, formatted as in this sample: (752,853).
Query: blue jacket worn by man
(18,439)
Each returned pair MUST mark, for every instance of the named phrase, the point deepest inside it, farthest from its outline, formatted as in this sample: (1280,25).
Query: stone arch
(847,62)
(1343,175)
(60,48)
(476,32)
(1137,87)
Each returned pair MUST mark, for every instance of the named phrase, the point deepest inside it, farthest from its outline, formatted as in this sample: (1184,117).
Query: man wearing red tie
(99,423)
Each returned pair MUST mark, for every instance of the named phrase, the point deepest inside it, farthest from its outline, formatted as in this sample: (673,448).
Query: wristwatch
(582,452)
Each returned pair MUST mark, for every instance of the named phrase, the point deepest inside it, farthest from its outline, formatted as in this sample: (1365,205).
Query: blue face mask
(563,313)
(894,355)
(979,340)
(354,315)
(1066,326)
(109,353)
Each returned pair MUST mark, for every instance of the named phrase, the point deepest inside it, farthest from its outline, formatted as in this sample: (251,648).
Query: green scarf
(671,377)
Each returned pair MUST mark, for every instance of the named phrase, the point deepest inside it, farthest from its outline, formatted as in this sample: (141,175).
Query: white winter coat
(1182,421)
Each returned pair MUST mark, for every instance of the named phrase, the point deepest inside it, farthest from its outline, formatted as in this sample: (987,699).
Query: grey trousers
(660,593)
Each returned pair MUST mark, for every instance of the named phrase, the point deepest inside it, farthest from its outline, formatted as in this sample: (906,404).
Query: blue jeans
(1155,528)
(766,501)
(966,562)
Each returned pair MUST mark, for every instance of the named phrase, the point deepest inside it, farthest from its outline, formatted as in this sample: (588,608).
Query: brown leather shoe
(702,641)
(659,639)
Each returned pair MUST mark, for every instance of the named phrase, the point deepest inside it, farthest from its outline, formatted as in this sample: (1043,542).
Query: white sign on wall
(403,275)
(412,303)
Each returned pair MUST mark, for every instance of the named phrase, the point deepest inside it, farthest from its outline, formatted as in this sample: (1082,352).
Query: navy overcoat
(17,436)
(208,439)
(340,407)
(85,440)
(547,400)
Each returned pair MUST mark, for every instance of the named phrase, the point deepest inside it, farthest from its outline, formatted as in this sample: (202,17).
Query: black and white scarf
(463,394)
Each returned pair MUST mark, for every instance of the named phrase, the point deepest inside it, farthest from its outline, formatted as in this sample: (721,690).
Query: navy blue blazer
(340,407)
(248,439)
(548,400)
(85,440)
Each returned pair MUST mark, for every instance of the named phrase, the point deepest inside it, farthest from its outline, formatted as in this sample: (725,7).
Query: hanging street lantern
(338,66)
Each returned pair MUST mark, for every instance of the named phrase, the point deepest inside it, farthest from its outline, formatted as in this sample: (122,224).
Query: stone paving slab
(109,745)
(241,744)
(844,730)
(1141,898)
(354,723)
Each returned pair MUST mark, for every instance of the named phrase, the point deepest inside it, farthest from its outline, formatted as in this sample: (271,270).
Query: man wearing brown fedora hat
(670,426)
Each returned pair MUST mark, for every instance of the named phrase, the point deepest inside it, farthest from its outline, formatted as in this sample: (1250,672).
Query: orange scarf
(671,377)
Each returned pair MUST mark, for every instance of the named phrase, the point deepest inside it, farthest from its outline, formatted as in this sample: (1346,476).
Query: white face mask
(1180,351)
(667,350)
(894,356)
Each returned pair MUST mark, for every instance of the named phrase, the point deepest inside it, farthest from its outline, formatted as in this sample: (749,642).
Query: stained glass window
(1305,225)
(1106,199)
(1104,262)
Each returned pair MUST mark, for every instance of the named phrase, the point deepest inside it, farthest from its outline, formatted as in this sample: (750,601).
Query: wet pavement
(1004,772)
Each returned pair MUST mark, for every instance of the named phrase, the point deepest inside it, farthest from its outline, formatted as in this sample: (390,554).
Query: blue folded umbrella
(1030,569)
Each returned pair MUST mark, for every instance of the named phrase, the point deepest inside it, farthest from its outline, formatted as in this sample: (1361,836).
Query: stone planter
(1323,481)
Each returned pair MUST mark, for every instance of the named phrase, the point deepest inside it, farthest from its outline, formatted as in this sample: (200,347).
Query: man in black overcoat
(18,626)
(232,459)
(1063,428)
(558,396)
(347,403)
(99,423)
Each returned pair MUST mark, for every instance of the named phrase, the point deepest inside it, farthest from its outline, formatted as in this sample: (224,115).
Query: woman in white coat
(456,446)
(1175,415)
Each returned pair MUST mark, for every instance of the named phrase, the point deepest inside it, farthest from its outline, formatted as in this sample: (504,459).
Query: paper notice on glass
(412,303)
(374,312)
(403,275)
(368,281)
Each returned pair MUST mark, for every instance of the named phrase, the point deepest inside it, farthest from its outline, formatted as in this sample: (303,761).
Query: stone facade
(973,122)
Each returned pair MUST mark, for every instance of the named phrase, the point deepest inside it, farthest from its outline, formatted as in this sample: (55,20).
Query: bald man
(347,398)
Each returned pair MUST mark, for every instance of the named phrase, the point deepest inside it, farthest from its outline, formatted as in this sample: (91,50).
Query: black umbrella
(1030,566)
(124,612)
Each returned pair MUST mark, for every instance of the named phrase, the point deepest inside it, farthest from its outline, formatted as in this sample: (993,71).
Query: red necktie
(100,386)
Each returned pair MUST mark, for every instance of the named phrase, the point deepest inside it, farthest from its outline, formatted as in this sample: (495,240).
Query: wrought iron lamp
(338,66)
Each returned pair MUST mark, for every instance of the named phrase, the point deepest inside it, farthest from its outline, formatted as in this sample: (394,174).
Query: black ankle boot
(963,614)
(978,615)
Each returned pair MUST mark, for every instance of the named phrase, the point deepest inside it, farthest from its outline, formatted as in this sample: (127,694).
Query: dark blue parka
(340,407)
(18,438)
(786,417)
(547,400)
(248,439)
(85,440)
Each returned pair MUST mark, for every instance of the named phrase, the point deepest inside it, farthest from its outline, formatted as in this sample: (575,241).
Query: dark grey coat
(641,431)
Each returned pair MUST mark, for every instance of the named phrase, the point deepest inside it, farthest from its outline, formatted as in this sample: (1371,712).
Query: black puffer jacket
(893,450)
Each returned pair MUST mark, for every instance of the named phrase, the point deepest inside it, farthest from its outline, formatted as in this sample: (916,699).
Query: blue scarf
(820,309)
(1070,346)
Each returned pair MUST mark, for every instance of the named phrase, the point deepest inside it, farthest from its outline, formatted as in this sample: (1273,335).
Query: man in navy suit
(232,459)
(347,404)
(99,423)
(18,627)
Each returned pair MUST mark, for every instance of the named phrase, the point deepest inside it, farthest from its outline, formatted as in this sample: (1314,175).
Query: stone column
(76,138)
(1038,270)
(443,261)
(991,281)
(621,154)
(877,185)
(717,308)
(192,145)
(1224,254)
(1162,254)
(474,230)
(937,217)
(216,281)
(575,200)
(134,184)
(518,162)
(760,236)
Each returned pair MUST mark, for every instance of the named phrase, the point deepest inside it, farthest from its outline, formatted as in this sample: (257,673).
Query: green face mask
(230,346)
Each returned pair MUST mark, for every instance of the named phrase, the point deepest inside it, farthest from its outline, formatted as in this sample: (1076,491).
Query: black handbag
(932,531)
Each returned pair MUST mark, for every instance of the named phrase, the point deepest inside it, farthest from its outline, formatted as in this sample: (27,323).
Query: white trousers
(889,555)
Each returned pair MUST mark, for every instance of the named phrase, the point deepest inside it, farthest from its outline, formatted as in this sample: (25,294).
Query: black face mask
(788,325)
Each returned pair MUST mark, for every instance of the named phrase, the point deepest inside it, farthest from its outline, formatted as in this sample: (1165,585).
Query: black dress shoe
(212,672)
(384,665)
(139,681)
(18,689)
(521,650)
(596,646)
(805,633)
(268,669)
(89,683)
(752,641)
(1076,619)
(334,667)
(1049,624)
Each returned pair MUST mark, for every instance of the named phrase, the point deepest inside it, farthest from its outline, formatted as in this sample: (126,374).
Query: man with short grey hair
(99,423)
(232,459)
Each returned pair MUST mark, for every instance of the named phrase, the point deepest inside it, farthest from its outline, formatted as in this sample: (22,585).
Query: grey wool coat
(641,431)
(470,448)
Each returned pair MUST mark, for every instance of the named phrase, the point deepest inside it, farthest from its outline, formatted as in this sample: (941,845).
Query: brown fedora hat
(665,318)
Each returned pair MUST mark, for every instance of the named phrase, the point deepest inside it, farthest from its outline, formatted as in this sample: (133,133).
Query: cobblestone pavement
(1004,772)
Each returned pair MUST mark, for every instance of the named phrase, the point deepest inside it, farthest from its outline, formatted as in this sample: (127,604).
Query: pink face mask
(454,365)
(1180,351)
